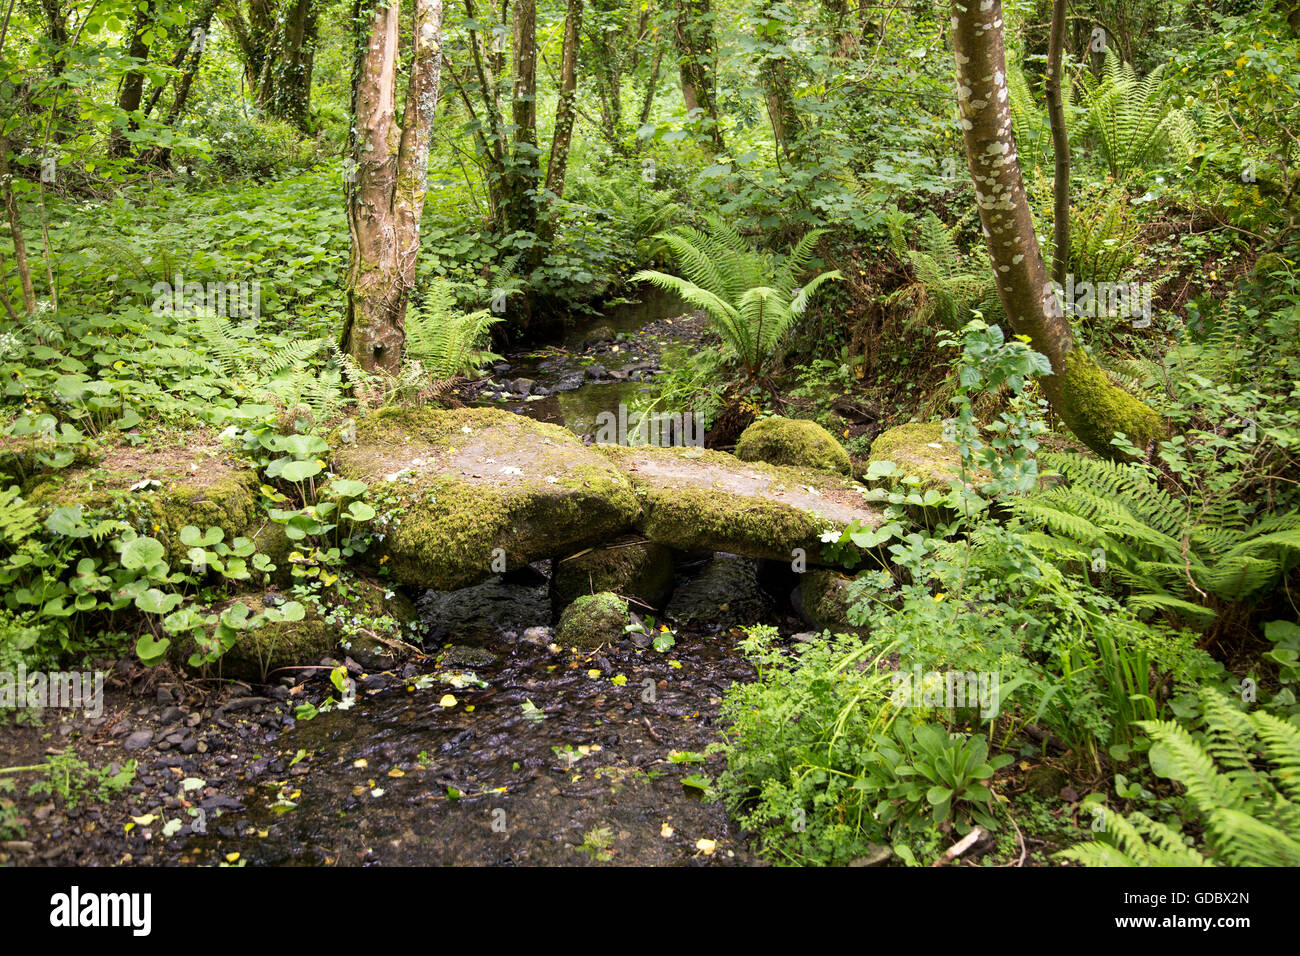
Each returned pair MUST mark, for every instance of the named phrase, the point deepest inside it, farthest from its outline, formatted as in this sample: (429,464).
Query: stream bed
(495,746)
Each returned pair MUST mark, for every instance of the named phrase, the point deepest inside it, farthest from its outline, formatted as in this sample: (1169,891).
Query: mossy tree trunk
(524,173)
(776,70)
(697,50)
(1079,392)
(565,111)
(386,199)
(566,108)
(284,87)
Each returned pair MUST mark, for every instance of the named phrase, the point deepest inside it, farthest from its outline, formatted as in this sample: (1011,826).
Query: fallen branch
(960,847)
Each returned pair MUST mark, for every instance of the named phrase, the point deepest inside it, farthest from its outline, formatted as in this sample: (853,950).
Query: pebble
(138,740)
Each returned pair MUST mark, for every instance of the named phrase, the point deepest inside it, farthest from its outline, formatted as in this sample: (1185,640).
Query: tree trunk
(1079,392)
(776,72)
(1060,146)
(566,107)
(524,172)
(16,230)
(696,51)
(652,86)
(128,100)
(490,131)
(387,200)
(284,89)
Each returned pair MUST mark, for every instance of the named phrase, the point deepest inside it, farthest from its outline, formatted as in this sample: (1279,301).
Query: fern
(17,519)
(1242,781)
(946,287)
(447,342)
(1104,237)
(1179,556)
(1130,118)
(753,298)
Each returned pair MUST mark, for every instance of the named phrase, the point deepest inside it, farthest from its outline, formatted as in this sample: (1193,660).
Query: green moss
(360,616)
(825,596)
(696,518)
(706,515)
(919,449)
(442,530)
(629,566)
(1095,408)
(261,650)
(593,620)
(792,441)
(215,494)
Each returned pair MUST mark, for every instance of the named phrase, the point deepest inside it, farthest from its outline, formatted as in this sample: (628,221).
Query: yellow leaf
(145,820)
(706,846)
(448,700)
(232,857)
(665,831)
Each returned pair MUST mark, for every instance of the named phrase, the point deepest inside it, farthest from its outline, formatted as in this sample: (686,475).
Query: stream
(496,746)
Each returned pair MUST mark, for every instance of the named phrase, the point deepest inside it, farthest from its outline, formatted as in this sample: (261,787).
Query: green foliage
(1132,119)
(72,780)
(1179,555)
(444,341)
(752,298)
(1239,774)
(947,288)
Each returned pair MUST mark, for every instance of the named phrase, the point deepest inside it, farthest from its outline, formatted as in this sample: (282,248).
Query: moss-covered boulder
(593,620)
(259,650)
(453,487)
(24,457)
(792,441)
(919,450)
(363,618)
(697,500)
(160,490)
(824,596)
(630,566)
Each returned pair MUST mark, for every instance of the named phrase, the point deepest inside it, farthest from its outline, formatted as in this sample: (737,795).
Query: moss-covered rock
(825,598)
(269,538)
(792,441)
(697,500)
(160,490)
(24,457)
(919,449)
(260,650)
(593,620)
(630,566)
(361,617)
(452,487)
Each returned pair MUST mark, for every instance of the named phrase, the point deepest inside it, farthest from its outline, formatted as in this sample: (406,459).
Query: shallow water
(546,755)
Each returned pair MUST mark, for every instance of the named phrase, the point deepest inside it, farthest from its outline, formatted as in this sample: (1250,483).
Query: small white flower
(466,429)
(830,537)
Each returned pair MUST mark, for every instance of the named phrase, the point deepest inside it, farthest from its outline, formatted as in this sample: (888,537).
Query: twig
(960,847)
